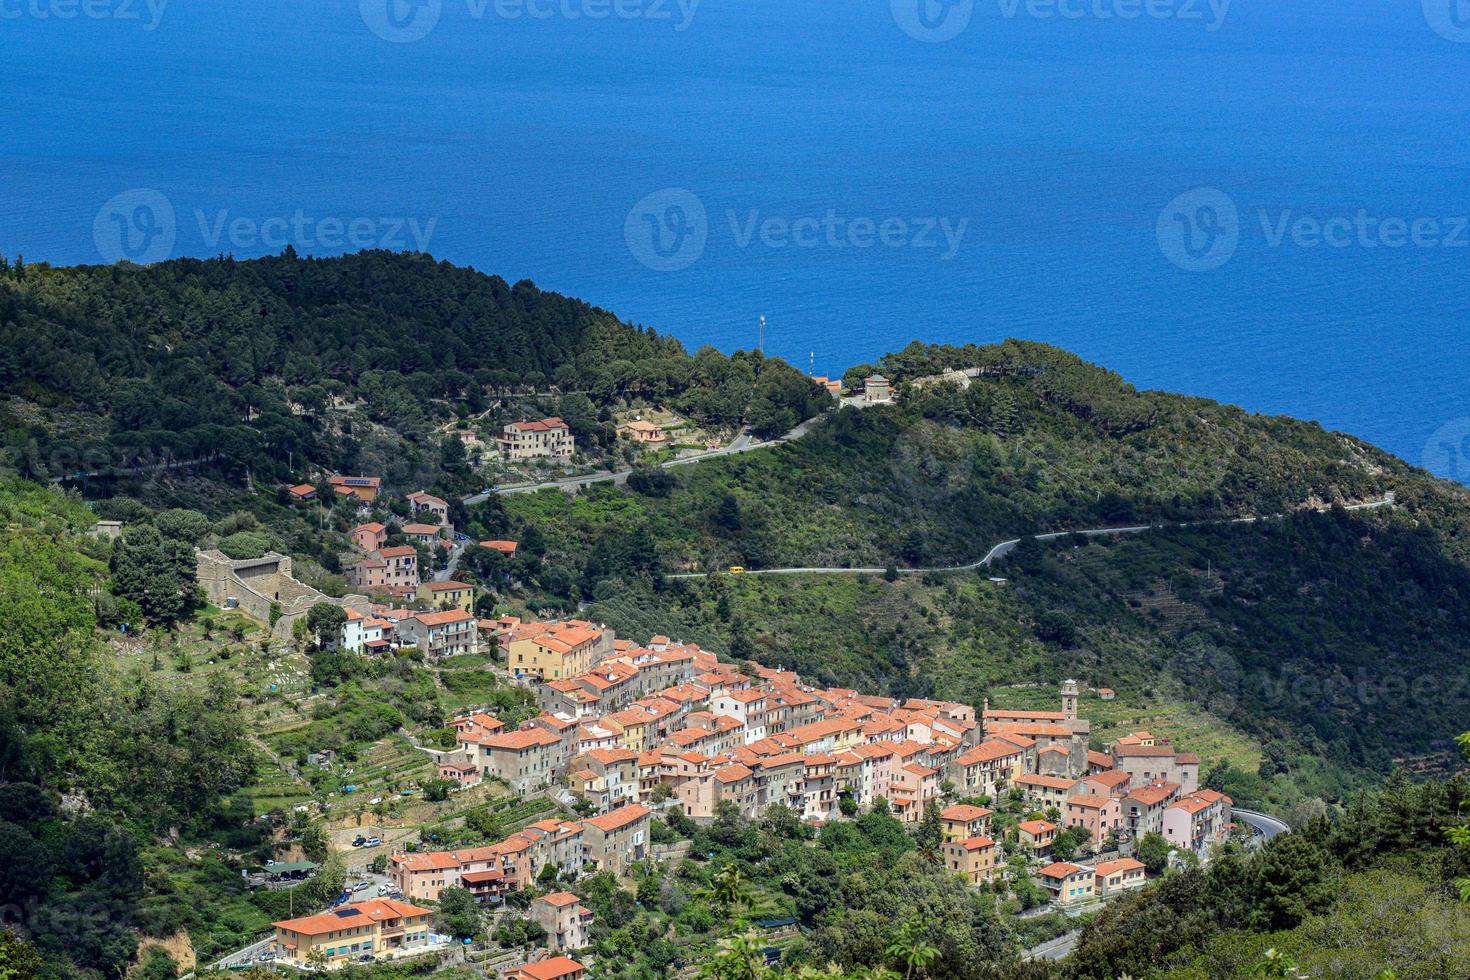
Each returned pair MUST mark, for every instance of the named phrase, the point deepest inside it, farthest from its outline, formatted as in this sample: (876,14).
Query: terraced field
(1185,725)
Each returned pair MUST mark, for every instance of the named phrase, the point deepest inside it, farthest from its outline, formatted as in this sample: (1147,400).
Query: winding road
(1268,826)
(1006,547)
(743,443)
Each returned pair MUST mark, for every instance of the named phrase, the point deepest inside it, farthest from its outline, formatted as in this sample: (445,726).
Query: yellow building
(448,595)
(552,651)
(348,933)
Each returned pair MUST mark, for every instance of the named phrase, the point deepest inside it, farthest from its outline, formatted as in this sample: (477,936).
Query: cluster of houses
(634,730)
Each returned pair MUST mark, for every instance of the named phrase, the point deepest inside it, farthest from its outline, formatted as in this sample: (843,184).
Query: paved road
(446,574)
(996,552)
(1006,547)
(743,443)
(1054,949)
(1268,826)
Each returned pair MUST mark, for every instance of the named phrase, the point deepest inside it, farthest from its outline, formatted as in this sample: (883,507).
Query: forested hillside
(1041,442)
(1304,654)
(97,761)
(251,361)
(1334,636)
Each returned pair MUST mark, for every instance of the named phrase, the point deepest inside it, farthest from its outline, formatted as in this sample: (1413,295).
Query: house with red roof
(615,841)
(370,536)
(1197,820)
(1114,877)
(549,438)
(568,923)
(1068,883)
(375,929)
(364,488)
(556,968)
(451,633)
(424,502)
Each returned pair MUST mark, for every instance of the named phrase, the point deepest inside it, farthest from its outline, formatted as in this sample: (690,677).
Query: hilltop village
(633,732)
(636,731)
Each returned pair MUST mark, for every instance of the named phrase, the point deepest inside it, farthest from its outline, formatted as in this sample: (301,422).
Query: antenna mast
(761,337)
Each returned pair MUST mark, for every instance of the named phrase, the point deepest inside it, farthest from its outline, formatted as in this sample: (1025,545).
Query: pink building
(1100,815)
(1196,821)
(370,536)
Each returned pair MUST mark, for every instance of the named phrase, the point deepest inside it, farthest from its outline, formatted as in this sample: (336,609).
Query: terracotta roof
(961,811)
(446,586)
(560,899)
(432,861)
(1050,782)
(975,843)
(351,917)
(1112,779)
(987,752)
(1027,715)
(1029,729)
(1061,870)
(443,618)
(398,551)
(544,425)
(520,740)
(1090,802)
(1035,827)
(618,819)
(1142,751)
(733,773)
(1153,795)
(552,969)
(1195,802)
(1105,868)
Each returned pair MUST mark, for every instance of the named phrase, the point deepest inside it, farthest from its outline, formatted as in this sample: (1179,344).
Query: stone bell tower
(1069,700)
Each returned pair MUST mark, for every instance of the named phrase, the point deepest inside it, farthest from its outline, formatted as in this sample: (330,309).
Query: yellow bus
(737,569)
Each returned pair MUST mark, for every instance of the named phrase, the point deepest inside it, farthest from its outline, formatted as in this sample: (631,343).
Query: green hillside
(274,365)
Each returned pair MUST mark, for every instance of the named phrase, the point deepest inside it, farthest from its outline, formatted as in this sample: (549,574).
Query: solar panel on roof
(346,913)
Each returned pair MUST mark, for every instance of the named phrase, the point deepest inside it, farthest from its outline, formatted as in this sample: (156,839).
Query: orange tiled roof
(1060,870)
(961,811)
(560,899)
(1105,868)
(618,819)
(351,917)
(553,969)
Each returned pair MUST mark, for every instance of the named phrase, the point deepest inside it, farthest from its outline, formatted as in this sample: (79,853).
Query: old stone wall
(256,584)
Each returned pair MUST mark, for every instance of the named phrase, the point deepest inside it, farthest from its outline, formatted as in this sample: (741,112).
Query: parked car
(359,841)
(372,842)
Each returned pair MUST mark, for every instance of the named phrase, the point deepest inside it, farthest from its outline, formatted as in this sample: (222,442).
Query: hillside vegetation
(348,363)
(1041,442)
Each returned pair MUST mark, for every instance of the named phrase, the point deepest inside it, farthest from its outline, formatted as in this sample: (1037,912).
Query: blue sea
(1263,201)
